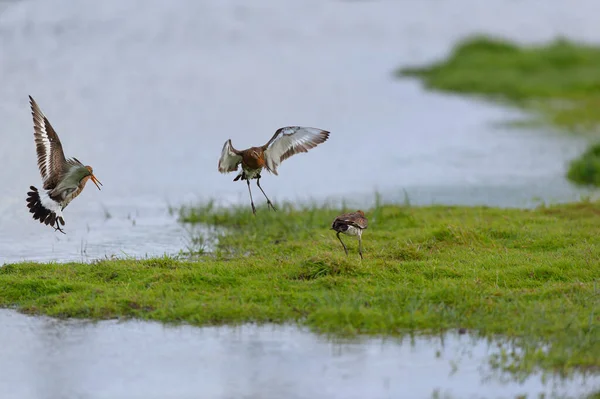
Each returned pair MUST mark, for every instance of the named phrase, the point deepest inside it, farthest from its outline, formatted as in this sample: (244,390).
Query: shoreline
(557,83)
(527,275)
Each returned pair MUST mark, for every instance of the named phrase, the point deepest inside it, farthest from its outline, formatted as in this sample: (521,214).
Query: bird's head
(361,213)
(92,177)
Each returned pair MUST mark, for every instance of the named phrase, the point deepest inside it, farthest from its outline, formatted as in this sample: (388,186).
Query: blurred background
(147,92)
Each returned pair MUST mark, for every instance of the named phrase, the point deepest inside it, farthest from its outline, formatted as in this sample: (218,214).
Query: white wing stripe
(48,147)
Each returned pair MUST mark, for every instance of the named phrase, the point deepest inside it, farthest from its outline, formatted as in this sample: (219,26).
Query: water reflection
(51,358)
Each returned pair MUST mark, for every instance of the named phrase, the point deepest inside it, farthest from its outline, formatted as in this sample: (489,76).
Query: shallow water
(147,91)
(49,358)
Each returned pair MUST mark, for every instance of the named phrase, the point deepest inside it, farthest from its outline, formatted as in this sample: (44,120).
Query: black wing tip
(324,134)
(32,103)
(34,107)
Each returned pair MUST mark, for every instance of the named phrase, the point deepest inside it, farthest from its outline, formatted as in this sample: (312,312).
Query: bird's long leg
(269,203)
(57,228)
(360,245)
(343,245)
(251,200)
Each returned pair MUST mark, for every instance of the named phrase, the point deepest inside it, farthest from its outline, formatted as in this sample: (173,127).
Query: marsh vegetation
(558,82)
(530,276)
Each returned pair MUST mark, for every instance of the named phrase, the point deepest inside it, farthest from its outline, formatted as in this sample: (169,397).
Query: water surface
(49,358)
(147,91)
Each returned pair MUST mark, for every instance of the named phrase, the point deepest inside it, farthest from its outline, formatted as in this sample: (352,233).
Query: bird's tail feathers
(44,209)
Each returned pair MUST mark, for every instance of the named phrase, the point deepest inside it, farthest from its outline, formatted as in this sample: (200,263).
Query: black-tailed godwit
(286,142)
(351,224)
(64,179)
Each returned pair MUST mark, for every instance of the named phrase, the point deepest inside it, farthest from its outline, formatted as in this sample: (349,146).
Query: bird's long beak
(96,181)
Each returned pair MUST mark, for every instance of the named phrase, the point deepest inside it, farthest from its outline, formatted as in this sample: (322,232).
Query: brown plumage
(63,178)
(351,224)
(286,142)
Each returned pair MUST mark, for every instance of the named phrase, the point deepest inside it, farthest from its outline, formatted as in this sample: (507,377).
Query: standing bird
(351,224)
(63,178)
(286,142)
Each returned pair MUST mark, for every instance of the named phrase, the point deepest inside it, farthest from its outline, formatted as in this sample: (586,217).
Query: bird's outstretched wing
(230,158)
(291,140)
(51,159)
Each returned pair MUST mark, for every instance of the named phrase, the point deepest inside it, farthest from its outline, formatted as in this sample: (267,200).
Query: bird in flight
(286,142)
(63,179)
(351,224)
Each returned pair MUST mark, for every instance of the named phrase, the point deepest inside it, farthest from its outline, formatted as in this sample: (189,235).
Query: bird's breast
(253,159)
(70,194)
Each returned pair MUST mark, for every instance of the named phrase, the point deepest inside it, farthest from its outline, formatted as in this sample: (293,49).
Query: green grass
(560,82)
(531,276)
(585,169)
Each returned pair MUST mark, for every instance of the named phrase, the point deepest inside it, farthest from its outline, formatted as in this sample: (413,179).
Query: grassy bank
(560,82)
(530,275)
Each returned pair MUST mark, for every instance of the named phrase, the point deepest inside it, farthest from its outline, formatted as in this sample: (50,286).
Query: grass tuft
(317,267)
(585,169)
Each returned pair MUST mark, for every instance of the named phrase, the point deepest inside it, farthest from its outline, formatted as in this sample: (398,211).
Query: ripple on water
(108,359)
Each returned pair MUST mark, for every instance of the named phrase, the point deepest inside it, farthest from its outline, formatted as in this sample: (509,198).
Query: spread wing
(291,140)
(230,158)
(51,159)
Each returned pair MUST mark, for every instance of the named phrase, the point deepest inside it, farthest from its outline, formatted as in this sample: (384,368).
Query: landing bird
(63,178)
(286,142)
(351,224)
